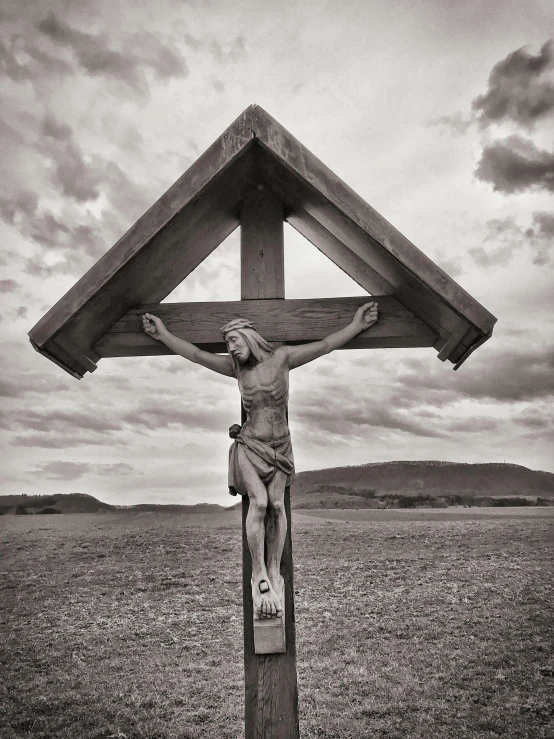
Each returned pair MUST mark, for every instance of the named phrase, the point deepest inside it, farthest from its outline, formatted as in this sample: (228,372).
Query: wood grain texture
(290,321)
(453,341)
(271,692)
(262,246)
(269,634)
(87,360)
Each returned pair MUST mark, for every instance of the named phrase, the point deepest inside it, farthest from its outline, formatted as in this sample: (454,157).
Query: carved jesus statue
(261,463)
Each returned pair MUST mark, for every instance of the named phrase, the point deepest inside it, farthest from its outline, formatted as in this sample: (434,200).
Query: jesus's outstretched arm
(155,328)
(365,316)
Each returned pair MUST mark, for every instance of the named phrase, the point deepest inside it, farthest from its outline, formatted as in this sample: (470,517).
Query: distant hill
(175,508)
(72,503)
(377,485)
(81,503)
(422,483)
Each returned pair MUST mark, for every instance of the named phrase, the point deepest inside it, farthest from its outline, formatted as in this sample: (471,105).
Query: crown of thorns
(236,324)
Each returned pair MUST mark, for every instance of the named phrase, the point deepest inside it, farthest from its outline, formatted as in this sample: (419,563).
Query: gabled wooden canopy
(99,316)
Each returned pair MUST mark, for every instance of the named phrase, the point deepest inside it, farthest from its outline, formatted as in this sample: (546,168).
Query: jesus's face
(238,347)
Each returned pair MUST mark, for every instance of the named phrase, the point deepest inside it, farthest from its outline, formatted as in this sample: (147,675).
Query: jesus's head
(244,342)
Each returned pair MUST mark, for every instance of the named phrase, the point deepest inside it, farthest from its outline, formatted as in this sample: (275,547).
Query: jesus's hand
(153,326)
(365,316)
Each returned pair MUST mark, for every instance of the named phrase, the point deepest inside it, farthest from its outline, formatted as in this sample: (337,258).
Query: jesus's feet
(267,603)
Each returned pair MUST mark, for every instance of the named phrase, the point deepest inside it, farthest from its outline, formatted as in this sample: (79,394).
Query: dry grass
(129,626)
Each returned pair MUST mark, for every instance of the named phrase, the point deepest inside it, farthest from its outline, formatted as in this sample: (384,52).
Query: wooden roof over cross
(100,315)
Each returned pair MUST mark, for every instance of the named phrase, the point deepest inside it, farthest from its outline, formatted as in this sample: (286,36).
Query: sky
(440,114)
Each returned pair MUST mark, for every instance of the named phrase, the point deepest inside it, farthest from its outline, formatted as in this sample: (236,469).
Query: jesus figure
(261,463)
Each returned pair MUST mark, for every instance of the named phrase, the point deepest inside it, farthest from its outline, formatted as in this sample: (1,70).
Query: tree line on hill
(428,484)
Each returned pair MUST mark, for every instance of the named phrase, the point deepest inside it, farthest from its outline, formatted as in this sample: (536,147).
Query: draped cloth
(265,456)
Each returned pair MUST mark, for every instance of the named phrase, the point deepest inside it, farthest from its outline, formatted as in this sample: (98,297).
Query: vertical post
(271,692)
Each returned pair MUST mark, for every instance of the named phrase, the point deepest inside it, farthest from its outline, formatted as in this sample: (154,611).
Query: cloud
(512,238)
(457,122)
(345,414)
(233,53)
(22,383)
(505,376)
(56,420)
(10,66)
(65,441)
(75,177)
(8,286)
(541,235)
(473,425)
(96,57)
(517,90)
(157,414)
(72,238)
(19,205)
(515,164)
(63,470)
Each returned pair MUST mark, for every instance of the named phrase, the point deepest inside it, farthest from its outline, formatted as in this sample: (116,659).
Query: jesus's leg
(276,531)
(265,599)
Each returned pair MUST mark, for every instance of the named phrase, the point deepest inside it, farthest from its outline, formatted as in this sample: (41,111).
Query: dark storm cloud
(8,286)
(94,54)
(517,90)
(515,164)
(507,238)
(64,470)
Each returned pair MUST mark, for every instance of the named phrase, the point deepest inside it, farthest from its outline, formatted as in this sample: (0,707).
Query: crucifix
(261,463)
(257,176)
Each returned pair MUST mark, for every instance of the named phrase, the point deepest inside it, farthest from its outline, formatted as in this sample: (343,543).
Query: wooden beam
(271,691)
(87,360)
(450,345)
(262,253)
(290,321)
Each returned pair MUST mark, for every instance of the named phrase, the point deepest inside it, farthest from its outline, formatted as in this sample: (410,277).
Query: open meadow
(416,624)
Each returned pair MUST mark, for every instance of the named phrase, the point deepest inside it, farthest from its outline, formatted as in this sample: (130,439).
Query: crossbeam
(289,321)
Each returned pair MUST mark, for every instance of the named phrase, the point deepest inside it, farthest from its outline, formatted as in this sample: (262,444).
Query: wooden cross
(257,175)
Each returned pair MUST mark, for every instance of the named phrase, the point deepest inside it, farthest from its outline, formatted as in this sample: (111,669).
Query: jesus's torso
(264,388)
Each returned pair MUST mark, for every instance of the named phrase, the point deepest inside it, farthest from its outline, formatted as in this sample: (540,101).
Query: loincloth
(265,456)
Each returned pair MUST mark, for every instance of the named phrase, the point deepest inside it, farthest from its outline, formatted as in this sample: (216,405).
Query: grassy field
(416,624)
